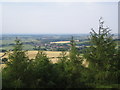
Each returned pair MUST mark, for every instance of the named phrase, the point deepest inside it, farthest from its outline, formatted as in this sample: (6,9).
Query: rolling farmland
(52,55)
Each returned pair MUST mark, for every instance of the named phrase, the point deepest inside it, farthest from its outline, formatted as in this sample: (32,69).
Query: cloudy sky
(56,17)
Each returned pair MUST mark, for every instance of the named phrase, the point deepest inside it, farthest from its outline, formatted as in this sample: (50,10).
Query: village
(59,46)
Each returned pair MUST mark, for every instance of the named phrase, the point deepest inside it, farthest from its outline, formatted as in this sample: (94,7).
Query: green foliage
(101,55)
(60,69)
(43,71)
(40,72)
(70,69)
(14,72)
(74,55)
(103,70)
(4,60)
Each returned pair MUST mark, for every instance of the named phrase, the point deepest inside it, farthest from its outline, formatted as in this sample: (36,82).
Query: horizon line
(38,33)
(49,33)
(88,1)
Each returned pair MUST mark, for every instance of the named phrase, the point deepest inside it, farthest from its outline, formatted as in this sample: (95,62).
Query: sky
(56,17)
(59,0)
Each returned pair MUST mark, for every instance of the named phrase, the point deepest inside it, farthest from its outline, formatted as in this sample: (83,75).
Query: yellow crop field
(32,54)
(61,42)
(51,54)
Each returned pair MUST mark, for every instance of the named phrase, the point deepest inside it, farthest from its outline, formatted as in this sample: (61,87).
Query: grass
(6,41)
(7,48)
(109,86)
(28,47)
(25,47)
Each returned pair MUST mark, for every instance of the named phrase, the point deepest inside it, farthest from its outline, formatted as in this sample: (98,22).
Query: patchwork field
(51,54)
(31,54)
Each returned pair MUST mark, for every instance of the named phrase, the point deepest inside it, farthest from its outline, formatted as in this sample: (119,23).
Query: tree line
(103,70)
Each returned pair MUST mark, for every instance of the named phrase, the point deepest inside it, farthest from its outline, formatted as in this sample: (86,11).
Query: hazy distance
(57,18)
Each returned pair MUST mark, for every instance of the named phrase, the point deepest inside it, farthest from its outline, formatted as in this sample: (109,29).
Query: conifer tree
(60,70)
(14,72)
(43,70)
(101,54)
(74,55)
(74,68)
